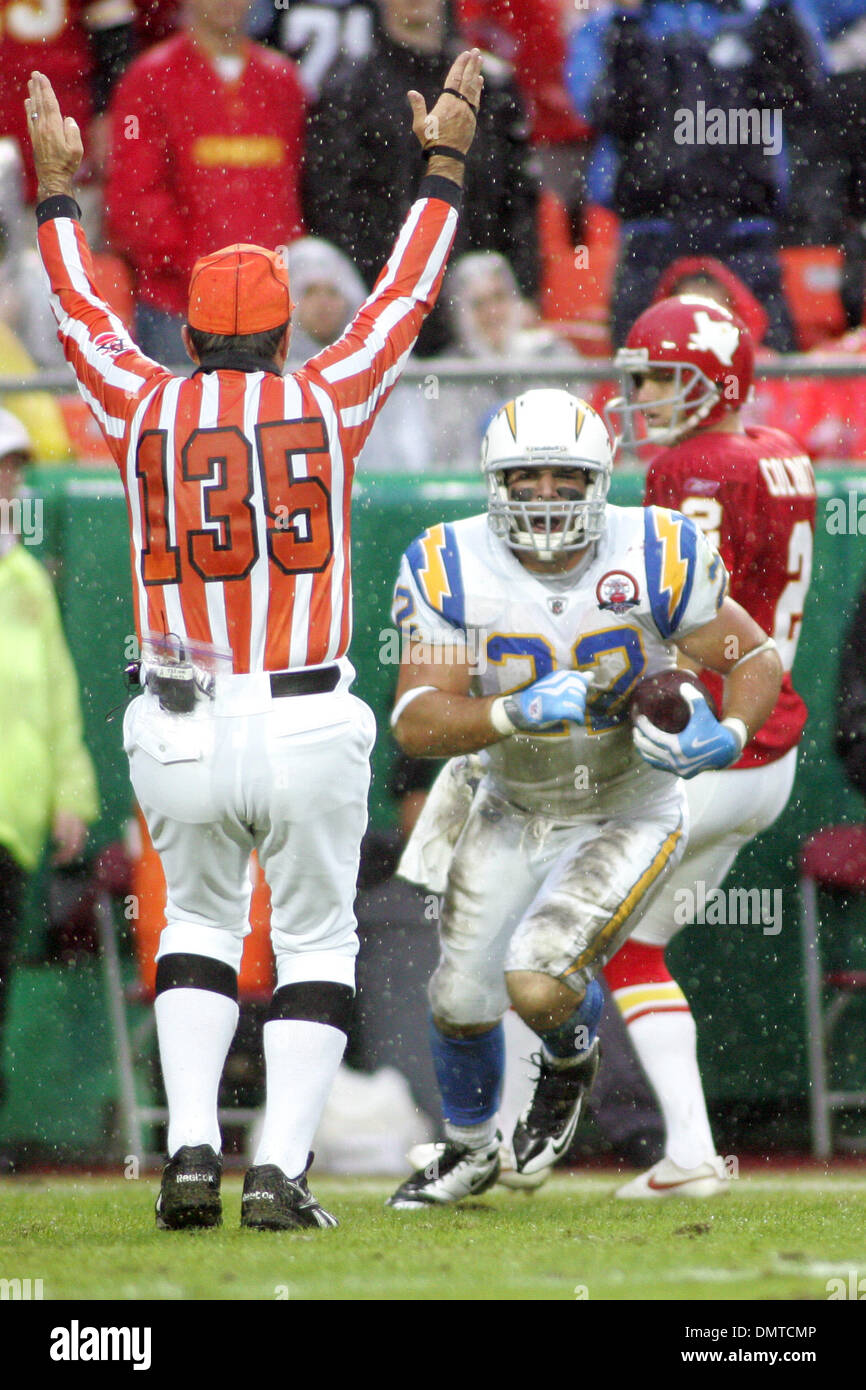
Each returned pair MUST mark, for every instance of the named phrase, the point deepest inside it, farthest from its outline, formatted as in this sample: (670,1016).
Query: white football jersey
(650,580)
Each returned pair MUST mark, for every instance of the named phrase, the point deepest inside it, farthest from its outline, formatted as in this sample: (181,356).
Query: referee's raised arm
(446,133)
(361,368)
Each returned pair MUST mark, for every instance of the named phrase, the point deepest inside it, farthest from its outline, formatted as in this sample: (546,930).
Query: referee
(238,487)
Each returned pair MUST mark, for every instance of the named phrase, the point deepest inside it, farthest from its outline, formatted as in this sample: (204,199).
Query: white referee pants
(287,777)
(726,811)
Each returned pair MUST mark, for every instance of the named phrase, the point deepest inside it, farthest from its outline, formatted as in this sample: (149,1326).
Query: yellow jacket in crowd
(44,765)
(37,410)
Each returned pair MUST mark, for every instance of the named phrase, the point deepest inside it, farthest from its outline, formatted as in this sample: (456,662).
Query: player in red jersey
(238,487)
(752,492)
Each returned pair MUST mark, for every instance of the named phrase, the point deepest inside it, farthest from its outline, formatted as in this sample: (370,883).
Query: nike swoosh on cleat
(680,1182)
(558,1147)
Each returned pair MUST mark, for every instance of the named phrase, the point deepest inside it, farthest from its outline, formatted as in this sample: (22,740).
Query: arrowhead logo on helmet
(704,355)
(547,429)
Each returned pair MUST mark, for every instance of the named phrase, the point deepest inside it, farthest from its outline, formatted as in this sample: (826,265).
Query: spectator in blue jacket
(838,181)
(692,100)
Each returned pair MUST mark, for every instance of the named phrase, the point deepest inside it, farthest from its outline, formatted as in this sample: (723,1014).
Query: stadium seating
(812,281)
(577,280)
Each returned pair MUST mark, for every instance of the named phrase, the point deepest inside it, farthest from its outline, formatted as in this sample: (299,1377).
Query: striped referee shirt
(238,482)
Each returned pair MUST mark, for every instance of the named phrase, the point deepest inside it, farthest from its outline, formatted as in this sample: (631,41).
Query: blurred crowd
(624,152)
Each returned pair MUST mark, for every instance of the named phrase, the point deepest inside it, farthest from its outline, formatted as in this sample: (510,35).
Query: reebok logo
(195,1177)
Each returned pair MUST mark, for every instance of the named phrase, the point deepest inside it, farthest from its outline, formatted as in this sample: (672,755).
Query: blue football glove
(702,745)
(561,695)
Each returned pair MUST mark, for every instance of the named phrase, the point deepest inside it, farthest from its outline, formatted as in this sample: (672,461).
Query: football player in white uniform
(525,632)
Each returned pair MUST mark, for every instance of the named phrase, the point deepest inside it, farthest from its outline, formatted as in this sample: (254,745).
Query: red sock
(641,983)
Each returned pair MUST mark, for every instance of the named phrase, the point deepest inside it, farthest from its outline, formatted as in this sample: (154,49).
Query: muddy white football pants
(287,777)
(528,893)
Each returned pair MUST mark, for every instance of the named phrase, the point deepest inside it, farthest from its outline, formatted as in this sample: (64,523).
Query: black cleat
(545,1130)
(273,1202)
(190,1192)
(454,1172)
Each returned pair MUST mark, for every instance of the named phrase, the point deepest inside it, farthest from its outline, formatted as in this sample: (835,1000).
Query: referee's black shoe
(273,1202)
(190,1191)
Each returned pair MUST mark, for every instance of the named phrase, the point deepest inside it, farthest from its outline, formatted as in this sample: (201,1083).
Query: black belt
(304,682)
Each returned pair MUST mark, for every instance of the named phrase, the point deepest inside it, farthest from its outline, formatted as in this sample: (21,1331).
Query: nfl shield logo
(557,605)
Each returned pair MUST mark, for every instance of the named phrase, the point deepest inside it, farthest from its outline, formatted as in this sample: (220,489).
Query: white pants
(528,893)
(287,777)
(726,811)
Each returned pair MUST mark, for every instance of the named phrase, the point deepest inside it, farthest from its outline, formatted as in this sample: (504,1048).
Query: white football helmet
(547,429)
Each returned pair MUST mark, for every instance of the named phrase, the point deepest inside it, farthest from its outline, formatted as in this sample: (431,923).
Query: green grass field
(775,1237)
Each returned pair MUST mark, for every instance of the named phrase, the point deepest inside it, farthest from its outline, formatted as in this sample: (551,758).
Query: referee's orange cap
(240,289)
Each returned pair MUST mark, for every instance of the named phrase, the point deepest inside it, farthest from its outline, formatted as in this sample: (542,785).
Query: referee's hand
(452,120)
(57,147)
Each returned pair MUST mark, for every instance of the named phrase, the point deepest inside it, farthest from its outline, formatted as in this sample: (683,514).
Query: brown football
(658,697)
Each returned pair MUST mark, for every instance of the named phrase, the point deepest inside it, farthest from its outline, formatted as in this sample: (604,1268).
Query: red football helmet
(709,352)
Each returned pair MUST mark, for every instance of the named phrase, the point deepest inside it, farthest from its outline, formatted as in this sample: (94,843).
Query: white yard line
(562,1185)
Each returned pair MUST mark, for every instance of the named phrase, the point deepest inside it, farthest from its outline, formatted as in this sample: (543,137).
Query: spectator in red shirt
(207,143)
(81,47)
(535,31)
(532,35)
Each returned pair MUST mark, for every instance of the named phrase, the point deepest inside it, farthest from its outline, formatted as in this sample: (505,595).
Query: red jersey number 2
(220,460)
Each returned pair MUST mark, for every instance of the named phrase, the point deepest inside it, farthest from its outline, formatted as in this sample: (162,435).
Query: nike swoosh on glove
(704,743)
(561,695)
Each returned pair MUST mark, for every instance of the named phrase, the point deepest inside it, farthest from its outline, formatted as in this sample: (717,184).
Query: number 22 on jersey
(618,647)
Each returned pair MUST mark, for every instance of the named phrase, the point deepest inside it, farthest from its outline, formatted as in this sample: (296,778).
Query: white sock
(195,1028)
(478,1136)
(666,1046)
(301,1060)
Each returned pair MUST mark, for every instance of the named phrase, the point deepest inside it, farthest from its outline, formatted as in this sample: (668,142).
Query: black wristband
(453,92)
(57,205)
(447,150)
(441,187)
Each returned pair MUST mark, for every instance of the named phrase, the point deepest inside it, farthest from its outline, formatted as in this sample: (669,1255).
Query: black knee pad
(181,970)
(314,1001)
